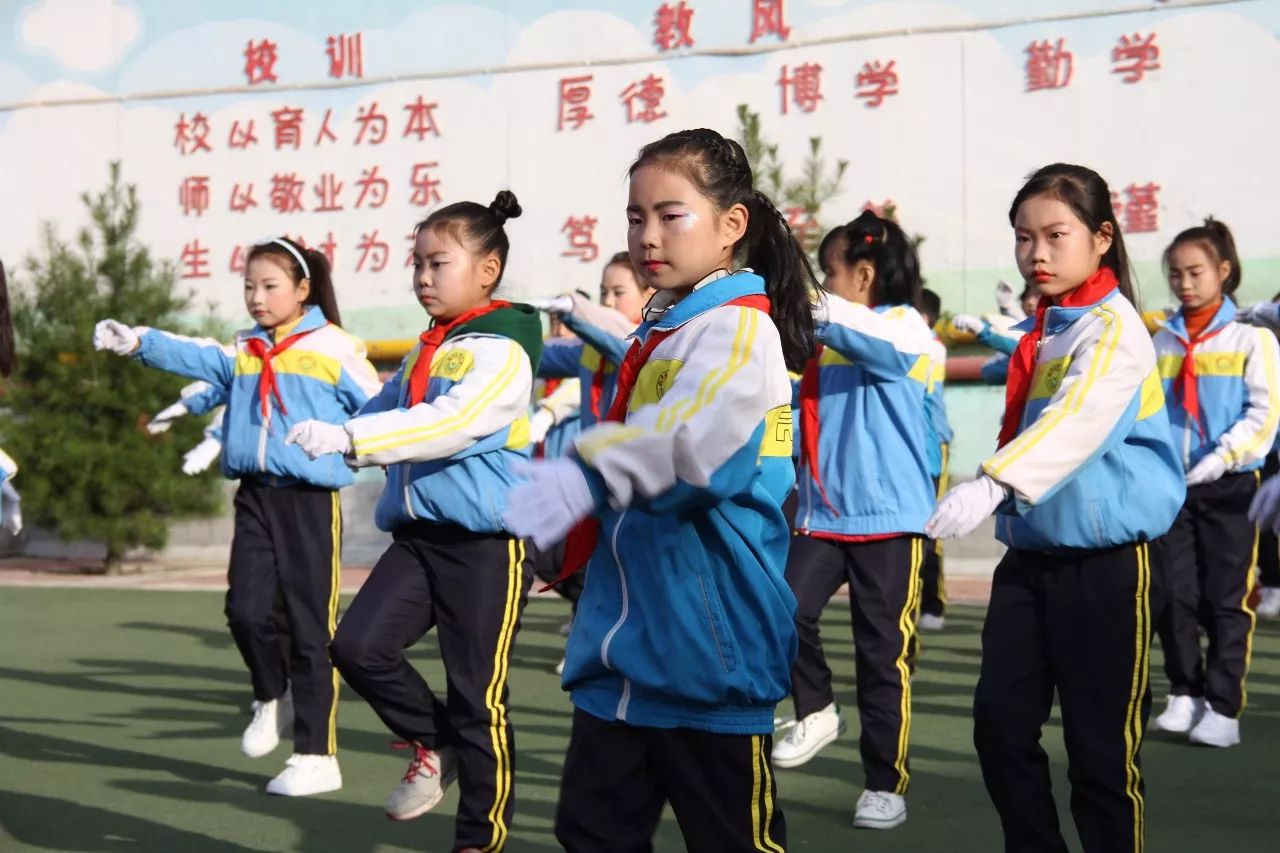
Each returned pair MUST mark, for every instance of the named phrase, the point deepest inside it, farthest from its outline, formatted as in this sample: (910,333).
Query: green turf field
(120,715)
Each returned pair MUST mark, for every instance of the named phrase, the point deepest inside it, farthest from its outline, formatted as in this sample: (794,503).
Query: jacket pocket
(718,624)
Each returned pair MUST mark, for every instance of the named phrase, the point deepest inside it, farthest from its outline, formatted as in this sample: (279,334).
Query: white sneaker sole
(877,823)
(1201,741)
(809,753)
(427,806)
(1178,729)
(322,788)
(261,751)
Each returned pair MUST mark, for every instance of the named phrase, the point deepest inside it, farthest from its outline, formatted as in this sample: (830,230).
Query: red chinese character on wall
(193,136)
(768,17)
(1142,210)
(194,260)
(804,87)
(242,199)
(877,81)
(1133,56)
(346,55)
(673,26)
(1049,65)
(288,127)
(371,122)
(241,137)
(426,189)
(193,195)
(326,132)
(422,119)
(260,62)
(644,100)
(328,189)
(373,186)
(238,262)
(802,223)
(372,249)
(286,192)
(413,244)
(329,249)
(574,94)
(582,241)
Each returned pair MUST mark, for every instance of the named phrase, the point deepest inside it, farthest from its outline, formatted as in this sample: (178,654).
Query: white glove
(969,323)
(964,507)
(1007,298)
(317,438)
(540,423)
(114,336)
(562,304)
(1207,470)
(165,418)
(200,457)
(1264,510)
(1266,314)
(551,499)
(821,314)
(12,514)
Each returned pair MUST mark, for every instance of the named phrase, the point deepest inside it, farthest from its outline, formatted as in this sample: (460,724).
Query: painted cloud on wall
(105,30)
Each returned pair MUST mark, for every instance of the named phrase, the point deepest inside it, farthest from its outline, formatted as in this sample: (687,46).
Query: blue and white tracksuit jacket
(1238,390)
(602,339)
(1093,465)
(448,458)
(939,427)
(686,619)
(324,376)
(873,444)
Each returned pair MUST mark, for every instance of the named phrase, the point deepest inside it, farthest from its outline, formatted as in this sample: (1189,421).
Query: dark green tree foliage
(74,418)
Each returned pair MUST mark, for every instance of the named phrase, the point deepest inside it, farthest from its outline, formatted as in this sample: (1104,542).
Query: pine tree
(74,418)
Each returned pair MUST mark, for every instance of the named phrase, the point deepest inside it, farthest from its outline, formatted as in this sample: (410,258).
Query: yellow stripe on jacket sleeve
(435,429)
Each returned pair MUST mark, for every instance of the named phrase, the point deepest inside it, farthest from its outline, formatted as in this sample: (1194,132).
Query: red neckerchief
(581,541)
(1187,386)
(1022,364)
(597,389)
(431,340)
(267,387)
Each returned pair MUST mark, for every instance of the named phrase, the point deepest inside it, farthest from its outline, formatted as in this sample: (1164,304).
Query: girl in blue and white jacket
(866,491)
(296,364)
(1220,380)
(684,637)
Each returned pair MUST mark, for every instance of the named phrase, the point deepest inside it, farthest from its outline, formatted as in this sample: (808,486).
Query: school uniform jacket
(564,404)
(686,619)
(939,427)
(1238,390)
(448,458)
(1093,464)
(873,443)
(324,376)
(601,345)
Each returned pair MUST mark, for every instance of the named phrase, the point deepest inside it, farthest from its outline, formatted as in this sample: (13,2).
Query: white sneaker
(880,810)
(270,721)
(1216,729)
(1269,604)
(929,622)
(305,775)
(1181,714)
(430,773)
(808,736)
(560,667)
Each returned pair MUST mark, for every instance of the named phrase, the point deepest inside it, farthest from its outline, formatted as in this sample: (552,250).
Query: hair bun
(505,206)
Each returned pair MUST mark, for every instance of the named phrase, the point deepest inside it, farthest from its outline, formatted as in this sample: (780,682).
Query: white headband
(280,241)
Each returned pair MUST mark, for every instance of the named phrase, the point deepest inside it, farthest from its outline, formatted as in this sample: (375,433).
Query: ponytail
(773,252)
(8,353)
(323,293)
(719,169)
(292,256)
(1216,237)
(882,243)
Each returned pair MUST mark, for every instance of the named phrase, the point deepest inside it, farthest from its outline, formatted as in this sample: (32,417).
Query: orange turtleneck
(1197,319)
